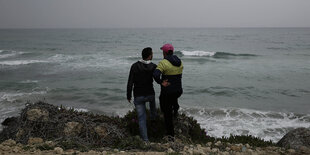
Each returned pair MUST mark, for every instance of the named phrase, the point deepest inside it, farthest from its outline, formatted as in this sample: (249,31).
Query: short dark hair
(146,52)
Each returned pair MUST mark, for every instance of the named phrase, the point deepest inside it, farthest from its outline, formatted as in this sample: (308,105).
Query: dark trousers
(169,106)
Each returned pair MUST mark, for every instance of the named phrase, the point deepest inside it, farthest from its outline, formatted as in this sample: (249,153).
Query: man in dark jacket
(141,79)
(169,75)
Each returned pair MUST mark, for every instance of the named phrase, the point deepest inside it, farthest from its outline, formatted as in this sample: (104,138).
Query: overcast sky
(153,13)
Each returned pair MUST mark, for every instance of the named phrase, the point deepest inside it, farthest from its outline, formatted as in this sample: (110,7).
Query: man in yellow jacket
(169,75)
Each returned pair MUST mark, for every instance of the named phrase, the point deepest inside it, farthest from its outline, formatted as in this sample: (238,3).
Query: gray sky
(153,13)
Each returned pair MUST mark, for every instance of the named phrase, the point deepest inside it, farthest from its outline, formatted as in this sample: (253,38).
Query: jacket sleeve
(130,83)
(158,72)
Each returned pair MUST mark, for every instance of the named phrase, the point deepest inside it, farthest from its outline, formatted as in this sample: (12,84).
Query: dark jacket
(141,79)
(170,68)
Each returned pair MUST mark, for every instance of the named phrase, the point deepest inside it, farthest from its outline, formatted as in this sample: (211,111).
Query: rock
(185,148)
(180,131)
(170,150)
(304,150)
(209,143)
(9,142)
(37,114)
(32,141)
(224,153)
(58,150)
(215,150)
(236,148)
(9,121)
(218,143)
(296,138)
(101,130)
(72,128)
(247,146)
(290,151)
(104,152)
(92,152)
(227,149)
(50,143)
(116,150)
(4,148)
(70,151)
(198,152)
(16,149)
(19,133)
(206,149)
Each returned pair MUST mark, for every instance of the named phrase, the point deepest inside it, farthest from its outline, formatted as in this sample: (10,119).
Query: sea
(236,81)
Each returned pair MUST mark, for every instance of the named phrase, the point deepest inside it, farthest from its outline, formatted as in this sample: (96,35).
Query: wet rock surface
(296,138)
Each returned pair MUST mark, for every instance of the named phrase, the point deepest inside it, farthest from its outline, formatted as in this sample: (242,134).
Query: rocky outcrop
(72,128)
(35,140)
(101,130)
(37,114)
(296,139)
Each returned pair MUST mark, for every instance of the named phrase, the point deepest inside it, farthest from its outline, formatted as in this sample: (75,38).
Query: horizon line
(149,27)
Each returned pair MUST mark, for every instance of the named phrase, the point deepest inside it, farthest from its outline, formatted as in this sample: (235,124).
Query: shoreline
(43,128)
(37,146)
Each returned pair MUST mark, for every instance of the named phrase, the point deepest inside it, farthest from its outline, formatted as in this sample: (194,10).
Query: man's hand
(165,83)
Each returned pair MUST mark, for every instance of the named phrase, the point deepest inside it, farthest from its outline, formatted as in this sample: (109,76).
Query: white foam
(10,97)
(8,54)
(29,81)
(80,110)
(266,125)
(61,58)
(94,61)
(21,62)
(198,53)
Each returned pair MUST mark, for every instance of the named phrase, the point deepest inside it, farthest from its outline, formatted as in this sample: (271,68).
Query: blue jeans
(140,108)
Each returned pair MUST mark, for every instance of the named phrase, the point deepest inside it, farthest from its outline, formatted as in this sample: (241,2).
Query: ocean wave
(10,97)
(21,62)
(279,48)
(212,54)
(198,53)
(7,54)
(266,125)
(87,61)
(61,58)
(29,81)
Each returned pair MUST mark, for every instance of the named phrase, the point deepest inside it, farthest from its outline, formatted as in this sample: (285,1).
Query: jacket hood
(174,60)
(145,66)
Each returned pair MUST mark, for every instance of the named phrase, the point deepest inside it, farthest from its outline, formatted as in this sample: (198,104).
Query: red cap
(167,47)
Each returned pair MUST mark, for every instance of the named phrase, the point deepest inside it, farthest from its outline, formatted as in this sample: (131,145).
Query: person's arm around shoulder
(158,73)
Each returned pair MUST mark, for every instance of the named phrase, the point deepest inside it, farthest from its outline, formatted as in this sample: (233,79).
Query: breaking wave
(267,125)
(21,62)
(212,54)
(7,53)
